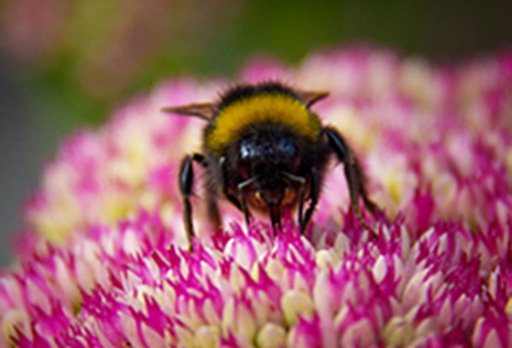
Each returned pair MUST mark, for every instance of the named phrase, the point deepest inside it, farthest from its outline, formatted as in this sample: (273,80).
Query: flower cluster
(104,262)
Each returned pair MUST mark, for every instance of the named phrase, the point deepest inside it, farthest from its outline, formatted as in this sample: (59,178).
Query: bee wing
(205,111)
(310,97)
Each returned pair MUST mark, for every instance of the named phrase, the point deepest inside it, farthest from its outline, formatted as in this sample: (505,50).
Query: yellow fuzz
(261,108)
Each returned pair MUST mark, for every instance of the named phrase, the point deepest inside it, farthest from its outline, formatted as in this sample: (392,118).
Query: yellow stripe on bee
(261,108)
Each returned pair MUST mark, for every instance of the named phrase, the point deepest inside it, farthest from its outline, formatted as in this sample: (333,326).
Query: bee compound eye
(247,150)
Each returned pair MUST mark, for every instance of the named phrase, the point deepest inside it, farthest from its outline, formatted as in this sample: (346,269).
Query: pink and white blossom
(103,260)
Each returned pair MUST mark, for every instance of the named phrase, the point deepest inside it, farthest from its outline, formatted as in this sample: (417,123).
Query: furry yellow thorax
(261,108)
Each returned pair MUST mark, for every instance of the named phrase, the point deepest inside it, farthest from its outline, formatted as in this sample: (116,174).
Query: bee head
(267,158)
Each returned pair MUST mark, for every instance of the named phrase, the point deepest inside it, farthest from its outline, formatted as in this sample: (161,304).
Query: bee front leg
(241,198)
(353,173)
(186,182)
(225,184)
(237,202)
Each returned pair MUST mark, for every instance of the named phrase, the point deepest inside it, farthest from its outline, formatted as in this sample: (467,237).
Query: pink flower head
(105,263)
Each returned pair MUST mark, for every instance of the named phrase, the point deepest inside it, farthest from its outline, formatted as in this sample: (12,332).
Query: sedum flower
(104,260)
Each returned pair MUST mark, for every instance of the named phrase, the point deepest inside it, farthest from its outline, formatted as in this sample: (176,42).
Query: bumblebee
(265,150)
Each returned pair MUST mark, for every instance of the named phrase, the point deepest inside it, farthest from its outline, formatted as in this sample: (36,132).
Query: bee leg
(229,196)
(211,197)
(241,198)
(353,173)
(186,181)
(314,193)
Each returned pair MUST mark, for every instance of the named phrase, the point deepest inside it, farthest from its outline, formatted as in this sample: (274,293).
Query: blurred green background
(67,63)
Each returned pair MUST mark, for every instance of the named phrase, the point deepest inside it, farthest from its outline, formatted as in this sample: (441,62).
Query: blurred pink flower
(107,45)
(102,262)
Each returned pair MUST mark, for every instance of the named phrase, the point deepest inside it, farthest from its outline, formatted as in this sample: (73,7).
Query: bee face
(269,168)
(267,154)
(265,150)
